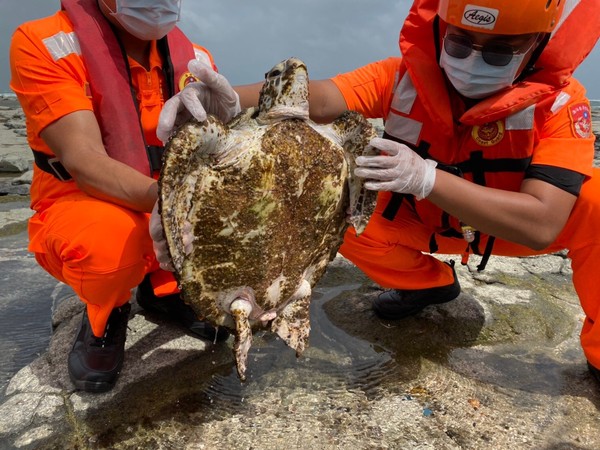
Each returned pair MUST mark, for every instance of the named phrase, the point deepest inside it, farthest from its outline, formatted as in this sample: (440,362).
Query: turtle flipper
(193,143)
(355,132)
(293,321)
(189,154)
(240,310)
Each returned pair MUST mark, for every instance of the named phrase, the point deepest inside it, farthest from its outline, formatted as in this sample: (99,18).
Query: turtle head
(284,94)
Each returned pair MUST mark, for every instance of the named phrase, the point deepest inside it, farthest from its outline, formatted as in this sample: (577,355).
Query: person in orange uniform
(488,148)
(92,80)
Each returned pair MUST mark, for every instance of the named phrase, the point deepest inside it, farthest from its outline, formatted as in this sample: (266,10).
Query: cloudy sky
(247,37)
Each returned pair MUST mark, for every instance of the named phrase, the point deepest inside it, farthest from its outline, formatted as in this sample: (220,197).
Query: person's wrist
(429,177)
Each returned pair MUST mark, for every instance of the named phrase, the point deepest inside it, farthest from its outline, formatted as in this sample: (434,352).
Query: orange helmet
(502,16)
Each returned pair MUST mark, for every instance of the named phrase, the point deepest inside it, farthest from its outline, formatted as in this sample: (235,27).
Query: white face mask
(474,78)
(147,19)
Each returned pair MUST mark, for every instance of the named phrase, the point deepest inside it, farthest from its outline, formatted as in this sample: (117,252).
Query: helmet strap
(530,68)
(436,37)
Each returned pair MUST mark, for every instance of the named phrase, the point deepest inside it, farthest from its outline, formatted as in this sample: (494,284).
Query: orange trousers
(101,250)
(394,254)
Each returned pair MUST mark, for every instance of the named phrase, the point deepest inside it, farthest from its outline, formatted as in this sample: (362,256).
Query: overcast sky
(247,37)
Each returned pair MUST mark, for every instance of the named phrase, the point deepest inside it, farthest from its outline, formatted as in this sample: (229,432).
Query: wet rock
(15,120)
(10,186)
(25,179)
(15,155)
(42,409)
(465,374)
(14,212)
(14,163)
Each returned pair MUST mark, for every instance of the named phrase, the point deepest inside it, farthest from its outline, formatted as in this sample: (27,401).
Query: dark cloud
(247,37)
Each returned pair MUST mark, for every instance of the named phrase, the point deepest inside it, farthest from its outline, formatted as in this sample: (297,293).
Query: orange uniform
(100,249)
(539,128)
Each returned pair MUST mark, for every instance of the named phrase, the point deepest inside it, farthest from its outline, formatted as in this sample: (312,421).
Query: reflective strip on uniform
(405,95)
(403,128)
(561,100)
(62,44)
(522,120)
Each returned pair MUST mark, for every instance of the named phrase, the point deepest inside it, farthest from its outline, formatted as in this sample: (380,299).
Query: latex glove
(159,242)
(400,170)
(213,95)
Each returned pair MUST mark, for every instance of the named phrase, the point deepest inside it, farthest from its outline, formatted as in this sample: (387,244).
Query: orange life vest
(110,82)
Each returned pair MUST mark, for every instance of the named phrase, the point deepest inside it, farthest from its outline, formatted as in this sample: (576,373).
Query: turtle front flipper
(354,133)
(293,321)
(188,158)
(195,142)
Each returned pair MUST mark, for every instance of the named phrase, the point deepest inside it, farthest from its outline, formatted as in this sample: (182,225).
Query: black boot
(95,362)
(174,308)
(398,304)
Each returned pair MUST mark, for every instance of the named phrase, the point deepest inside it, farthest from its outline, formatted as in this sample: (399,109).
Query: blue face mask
(474,78)
(147,19)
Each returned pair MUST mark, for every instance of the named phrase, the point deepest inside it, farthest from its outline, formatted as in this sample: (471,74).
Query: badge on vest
(581,120)
(488,134)
(186,79)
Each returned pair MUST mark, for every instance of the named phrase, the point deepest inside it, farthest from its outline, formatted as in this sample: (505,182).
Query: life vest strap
(393,206)
(486,254)
(155,154)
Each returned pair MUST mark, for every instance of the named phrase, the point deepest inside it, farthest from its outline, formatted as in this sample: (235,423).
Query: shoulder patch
(581,120)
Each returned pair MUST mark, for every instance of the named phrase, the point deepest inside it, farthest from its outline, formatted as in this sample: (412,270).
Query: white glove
(213,95)
(400,170)
(161,250)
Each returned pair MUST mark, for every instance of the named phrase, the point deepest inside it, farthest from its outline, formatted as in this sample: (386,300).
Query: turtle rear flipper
(293,321)
(240,309)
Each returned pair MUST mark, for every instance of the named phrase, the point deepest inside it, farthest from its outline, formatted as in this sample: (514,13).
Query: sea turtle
(254,210)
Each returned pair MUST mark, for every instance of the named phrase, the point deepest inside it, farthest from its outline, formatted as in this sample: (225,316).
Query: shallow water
(334,362)
(409,384)
(26,300)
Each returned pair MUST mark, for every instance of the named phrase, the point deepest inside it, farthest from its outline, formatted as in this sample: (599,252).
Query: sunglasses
(493,53)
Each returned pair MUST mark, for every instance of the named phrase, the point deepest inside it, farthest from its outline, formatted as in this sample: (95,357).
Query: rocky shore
(500,367)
